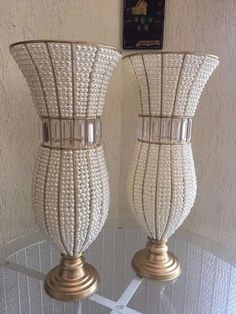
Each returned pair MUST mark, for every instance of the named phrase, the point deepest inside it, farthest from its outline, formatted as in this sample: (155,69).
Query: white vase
(68,82)
(162,182)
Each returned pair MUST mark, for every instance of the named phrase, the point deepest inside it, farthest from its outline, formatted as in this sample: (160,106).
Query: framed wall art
(143,24)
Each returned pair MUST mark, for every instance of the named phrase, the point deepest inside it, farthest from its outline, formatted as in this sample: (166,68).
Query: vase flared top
(68,79)
(170,83)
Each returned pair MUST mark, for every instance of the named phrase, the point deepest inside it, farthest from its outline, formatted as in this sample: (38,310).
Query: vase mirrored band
(164,130)
(68,82)
(71,133)
(162,182)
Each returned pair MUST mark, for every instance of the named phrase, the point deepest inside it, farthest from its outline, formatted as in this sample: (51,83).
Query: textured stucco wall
(193,25)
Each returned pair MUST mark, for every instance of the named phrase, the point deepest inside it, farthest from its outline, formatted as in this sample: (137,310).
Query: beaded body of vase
(68,82)
(162,182)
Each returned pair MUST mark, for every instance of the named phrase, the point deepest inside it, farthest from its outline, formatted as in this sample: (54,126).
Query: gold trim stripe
(192,84)
(88,227)
(90,83)
(178,83)
(73,90)
(171,52)
(56,88)
(44,194)
(171,117)
(162,63)
(143,185)
(41,84)
(61,152)
(171,195)
(61,156)
(58,41)
(138,85)
(171,150)
(102,187)
(75,242)
(36,182)
(135,174)
(156,189)
(164,143)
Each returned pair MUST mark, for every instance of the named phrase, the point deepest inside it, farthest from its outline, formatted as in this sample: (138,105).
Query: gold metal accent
(161,143)
(155,262)
(73,118)
(178,83)
(72,148)
(159,148)
(98,45)
(171,208)
(143,185)
(88,227)
(192,83)
(73,90)
(156,116)
(162,64)
(139,87)
(44,192)
(72,280)
(90,84)
(41,84)
(75,184)
(56,88)
(135,175)
(102,187)
(61,236)
(156,186)
(148,150)
(171,52)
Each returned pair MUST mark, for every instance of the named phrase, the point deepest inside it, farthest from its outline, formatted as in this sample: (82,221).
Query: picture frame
(143,24)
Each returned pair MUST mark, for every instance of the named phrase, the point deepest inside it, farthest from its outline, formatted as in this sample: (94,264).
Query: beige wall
(195,25)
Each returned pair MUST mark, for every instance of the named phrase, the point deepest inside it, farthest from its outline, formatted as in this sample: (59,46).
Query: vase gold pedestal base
(156,263)
(72,280)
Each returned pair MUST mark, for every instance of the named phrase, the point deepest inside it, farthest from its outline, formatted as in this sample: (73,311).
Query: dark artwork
(143,24)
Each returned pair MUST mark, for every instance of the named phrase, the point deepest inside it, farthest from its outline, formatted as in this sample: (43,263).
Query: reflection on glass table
(207,283)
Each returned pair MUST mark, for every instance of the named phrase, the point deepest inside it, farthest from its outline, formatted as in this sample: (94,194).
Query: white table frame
(119,306)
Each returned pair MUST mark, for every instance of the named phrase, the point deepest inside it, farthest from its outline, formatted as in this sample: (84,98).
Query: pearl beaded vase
(161,182)
(68,82)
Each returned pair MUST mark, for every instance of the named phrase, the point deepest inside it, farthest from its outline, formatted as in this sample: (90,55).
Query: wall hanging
(162,183)
(68,82)
(143,24)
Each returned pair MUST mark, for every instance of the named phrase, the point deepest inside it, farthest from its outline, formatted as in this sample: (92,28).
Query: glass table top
(207,283)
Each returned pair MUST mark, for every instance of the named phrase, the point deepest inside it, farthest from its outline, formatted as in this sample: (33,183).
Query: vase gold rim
(171,52)
(63,42)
